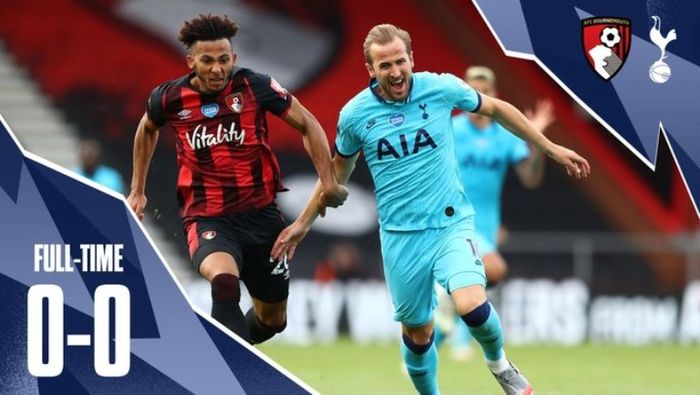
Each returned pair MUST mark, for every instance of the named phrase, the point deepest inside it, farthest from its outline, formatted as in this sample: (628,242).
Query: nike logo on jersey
(201,139)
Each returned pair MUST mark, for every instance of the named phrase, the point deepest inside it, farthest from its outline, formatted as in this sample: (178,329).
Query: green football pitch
(346,368)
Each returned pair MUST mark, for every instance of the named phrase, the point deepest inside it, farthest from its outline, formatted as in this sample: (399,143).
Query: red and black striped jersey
(226,164)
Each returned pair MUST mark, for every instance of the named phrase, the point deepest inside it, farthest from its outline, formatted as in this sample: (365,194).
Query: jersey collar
(373,84)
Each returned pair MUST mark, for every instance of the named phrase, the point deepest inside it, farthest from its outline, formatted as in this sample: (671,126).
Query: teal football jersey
(409,148)
(484,156)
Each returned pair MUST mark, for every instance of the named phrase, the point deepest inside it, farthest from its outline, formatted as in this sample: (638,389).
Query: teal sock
(421,362)
(485,326)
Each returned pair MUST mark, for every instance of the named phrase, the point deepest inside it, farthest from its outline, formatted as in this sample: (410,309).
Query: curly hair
(207,28)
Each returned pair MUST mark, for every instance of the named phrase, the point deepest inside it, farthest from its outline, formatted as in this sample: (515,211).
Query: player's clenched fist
(334,197)
(137,202)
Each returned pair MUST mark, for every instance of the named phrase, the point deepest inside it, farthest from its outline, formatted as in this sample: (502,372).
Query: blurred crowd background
(622,247)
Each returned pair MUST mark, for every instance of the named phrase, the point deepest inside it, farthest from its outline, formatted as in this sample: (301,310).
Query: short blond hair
(480,73)
(384,34)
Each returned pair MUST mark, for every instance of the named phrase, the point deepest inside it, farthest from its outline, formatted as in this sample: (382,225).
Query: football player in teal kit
(402,122)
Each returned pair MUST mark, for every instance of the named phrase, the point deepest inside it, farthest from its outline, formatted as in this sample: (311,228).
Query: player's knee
(225,286)
(268,323)
(419,335)
(276,320)
(417,342)
(278,327)
(215,263)
(468,298)
(274,326)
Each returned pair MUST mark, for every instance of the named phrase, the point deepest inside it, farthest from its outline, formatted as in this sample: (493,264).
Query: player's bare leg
(265,320)
(446,316)
(221,270)
(485,325)
(420,357)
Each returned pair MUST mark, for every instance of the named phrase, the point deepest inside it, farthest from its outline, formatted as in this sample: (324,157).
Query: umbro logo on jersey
(281,268)
(185,114)
(210,110)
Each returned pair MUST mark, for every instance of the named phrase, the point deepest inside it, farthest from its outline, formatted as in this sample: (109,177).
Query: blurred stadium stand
(91,64)
(39,125)
(42,130)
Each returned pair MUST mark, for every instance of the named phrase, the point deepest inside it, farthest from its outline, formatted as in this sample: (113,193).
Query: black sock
(259,332)
(226,295)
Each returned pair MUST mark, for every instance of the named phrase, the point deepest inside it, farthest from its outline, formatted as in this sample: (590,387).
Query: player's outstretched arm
(144,145)
(530,171)
(513,120)
(316,145)
(292,235)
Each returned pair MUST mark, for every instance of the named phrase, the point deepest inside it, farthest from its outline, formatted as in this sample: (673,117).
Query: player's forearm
(512,119)
(316,146)
(144,146)
(311,211)
(343,168)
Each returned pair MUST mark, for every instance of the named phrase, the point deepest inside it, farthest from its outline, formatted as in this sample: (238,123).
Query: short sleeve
(347,143)
(155,107)
(519,150)
(271,96)
(459,94)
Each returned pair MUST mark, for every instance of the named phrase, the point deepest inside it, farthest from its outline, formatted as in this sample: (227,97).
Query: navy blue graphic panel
(655,90)
(256,376)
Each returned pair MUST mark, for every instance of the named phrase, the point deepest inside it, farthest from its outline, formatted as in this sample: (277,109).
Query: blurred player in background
(343,263)
(402,122)
(484,151)
(91,166)
(229,177)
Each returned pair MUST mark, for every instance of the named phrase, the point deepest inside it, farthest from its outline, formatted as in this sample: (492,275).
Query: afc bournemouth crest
(235,102)
(606,44)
